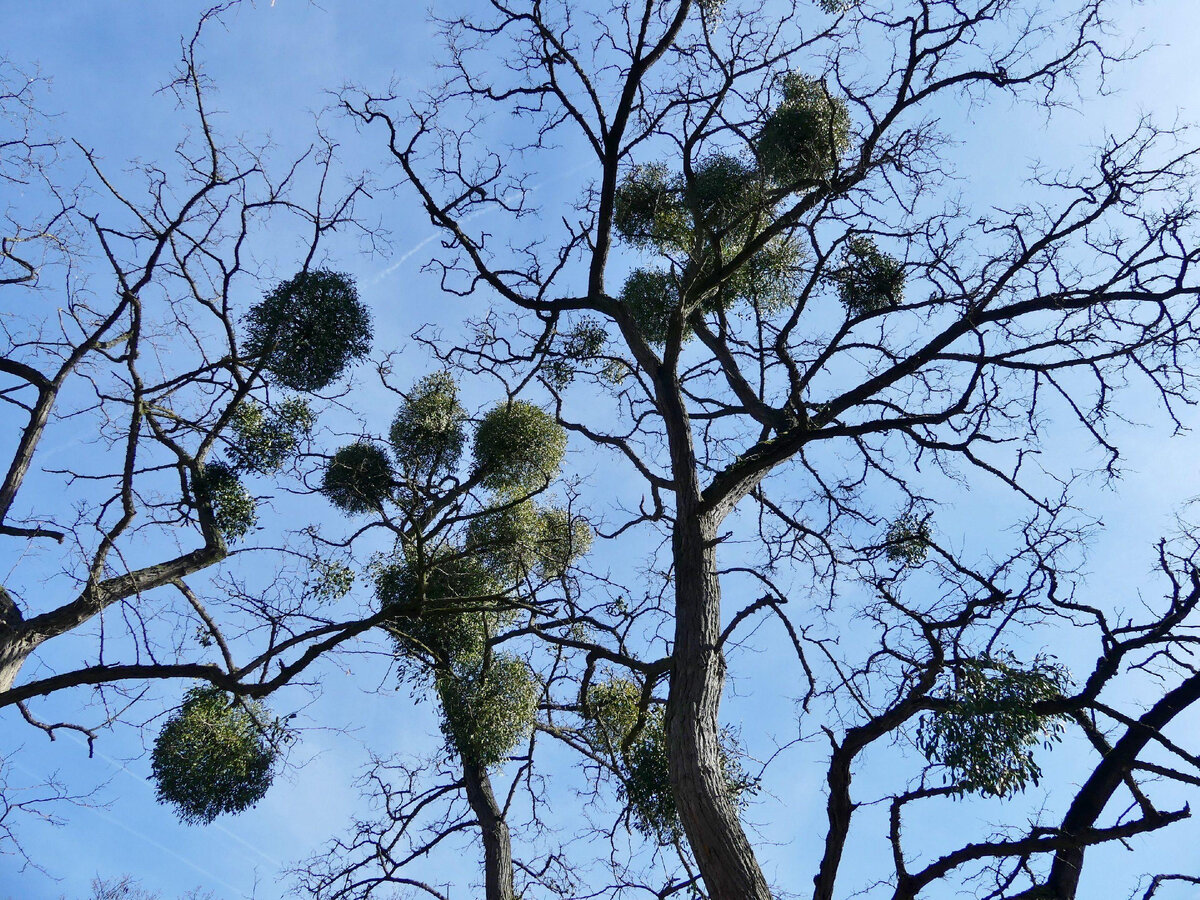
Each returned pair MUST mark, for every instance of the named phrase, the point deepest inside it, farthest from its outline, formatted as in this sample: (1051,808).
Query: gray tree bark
(497,842)
(708,814)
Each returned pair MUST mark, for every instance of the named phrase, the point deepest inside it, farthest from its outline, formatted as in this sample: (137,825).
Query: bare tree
(155,371)
(810,352)
(809,323)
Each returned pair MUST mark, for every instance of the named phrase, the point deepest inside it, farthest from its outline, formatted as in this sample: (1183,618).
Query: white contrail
(149,840)
(117,764)
(483,212)
(163,847)
(403,259)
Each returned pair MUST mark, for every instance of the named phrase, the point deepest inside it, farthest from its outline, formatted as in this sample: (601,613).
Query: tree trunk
(497,843)
(12,656)
(15,647)
(709,816)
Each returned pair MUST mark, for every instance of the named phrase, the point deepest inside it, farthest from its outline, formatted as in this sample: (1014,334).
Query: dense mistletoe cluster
(453,584)
(442,605)
(518,448)
(707,223)
(309,329)
(489,709)
(429,431)
(869,281)
(908,540)
(233,509)
(264,440)
(358,478)
(800,141)
(582,345)
(635,739)
(214,756)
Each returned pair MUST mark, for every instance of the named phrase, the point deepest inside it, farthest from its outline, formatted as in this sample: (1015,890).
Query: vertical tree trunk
(14,650)
(14,646)
(497,843)
(709,815)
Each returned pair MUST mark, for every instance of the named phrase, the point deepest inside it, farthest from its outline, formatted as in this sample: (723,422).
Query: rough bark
(708,815)
(14,650)
(497,842)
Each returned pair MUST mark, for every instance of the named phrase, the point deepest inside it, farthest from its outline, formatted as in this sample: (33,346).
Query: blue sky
(273,65)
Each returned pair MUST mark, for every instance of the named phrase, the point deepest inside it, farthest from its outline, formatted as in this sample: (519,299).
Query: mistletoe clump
(908,540)
(803,138)
(987,730)
(262,441)
(648,210)
(309,329)
(516,540)
(869,280)
(767,280)
(507,540)
(328,580)
(429,431)
(488,712)
(564,539)
(518,448)
(233,508)
(358,478)
(582,344)
(214,756)
(442,609)
(652,297)
(614,710)
(642,757)
(724,196)
(702,222)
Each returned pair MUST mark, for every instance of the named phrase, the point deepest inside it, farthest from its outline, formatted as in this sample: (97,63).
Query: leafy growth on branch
(309,329)
(488,712)
(518,448)
(723,196)
(507,541)
(648,212)
(358,478)
(329,580)
(232,506)
(908,540)
(564,540)
(429,432)
(516,541)
(642,757)
(804,136)
(262,441)
(987,732)
(702,223)
(581,345)
(868,280)
(442,610)
(652,297)
(214,756)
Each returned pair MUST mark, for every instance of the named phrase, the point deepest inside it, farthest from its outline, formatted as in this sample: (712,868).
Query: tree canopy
(722,527)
